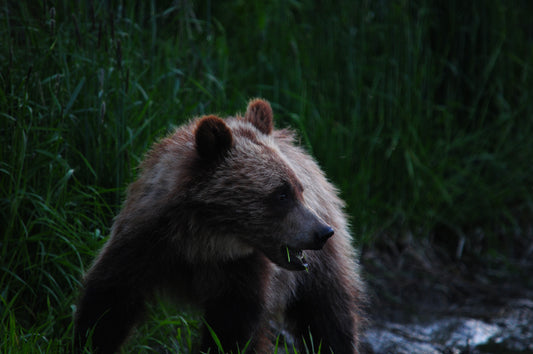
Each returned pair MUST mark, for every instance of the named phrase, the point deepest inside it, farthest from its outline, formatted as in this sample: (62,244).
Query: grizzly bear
(232,216)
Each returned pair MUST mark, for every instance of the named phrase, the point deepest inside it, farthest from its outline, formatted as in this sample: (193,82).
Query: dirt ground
(408,277)
(435,296)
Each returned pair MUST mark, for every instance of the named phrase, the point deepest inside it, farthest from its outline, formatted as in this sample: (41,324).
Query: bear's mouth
(295,258)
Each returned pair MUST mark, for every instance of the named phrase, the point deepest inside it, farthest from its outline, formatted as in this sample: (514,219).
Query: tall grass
(419,111)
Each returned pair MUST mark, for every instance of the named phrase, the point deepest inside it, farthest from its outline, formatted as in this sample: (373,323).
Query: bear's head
(246,189)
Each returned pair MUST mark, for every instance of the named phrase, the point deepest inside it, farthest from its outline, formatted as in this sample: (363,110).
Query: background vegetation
(419,111)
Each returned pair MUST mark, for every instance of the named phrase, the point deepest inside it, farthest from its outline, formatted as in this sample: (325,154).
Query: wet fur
(189,228)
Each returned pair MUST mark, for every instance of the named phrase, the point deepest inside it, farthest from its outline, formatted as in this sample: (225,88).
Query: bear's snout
(321,235)
(325,233)
(311,231)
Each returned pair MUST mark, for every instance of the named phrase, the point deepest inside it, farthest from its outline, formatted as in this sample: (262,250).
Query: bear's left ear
(213,138)
(259,113)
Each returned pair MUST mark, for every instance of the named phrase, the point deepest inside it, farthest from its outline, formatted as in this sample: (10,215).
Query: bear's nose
(324,233)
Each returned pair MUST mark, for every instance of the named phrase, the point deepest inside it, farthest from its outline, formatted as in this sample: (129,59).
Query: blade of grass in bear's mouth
(301,258)
(298,256)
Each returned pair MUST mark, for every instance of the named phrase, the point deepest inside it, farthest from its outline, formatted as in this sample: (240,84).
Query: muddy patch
(426,300)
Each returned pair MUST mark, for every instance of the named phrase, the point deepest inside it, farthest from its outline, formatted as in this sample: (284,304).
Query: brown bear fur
(218,217)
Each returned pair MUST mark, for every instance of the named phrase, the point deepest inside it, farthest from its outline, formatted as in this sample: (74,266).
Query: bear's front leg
(236,312)
(114,294)
(106,314)
(234,320)
(326,310)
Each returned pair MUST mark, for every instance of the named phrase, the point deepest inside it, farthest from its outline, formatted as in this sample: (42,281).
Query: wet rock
(509,330)
(516,328)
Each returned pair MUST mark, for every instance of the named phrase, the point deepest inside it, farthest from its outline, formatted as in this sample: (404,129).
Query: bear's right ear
(213,138)
(259,113)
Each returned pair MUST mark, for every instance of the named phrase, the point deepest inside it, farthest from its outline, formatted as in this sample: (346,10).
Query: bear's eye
(284,193)
(280,200)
